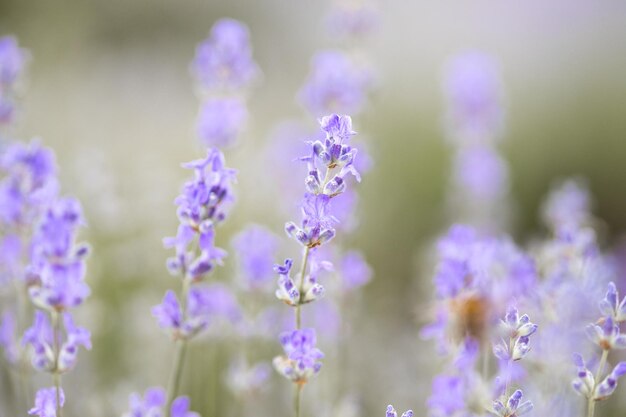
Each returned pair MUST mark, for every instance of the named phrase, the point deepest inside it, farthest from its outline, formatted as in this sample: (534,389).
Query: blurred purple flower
(153,403)
(29,182)
(473,90)
(336,83)
(354,271)
(481,173)
(255,248)
(568,206)
(12,61)
(224,60)
(46,403)
(221,120)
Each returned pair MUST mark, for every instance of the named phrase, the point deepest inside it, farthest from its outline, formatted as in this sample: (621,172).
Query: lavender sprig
(202,204)
(329,163)
(517,329)
(607,336)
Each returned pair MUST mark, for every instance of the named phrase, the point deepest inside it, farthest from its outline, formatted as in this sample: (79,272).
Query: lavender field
(342,208)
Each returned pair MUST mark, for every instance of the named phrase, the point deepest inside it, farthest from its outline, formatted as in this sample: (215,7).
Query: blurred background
(108,87)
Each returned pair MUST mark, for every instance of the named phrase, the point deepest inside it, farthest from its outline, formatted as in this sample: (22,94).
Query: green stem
(179,359)
(305,258)
(591,405)
(296,400)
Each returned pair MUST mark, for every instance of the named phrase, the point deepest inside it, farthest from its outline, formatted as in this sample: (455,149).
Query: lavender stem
(305,258)
(591,406)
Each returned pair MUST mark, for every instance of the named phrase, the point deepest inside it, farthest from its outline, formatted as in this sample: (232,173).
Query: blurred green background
(109,89)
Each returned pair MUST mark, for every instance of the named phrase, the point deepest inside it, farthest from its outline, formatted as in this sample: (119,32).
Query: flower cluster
(153,404)
(201,205)
(46,403)
(12,63)
(57,272)
(223,68)
(518,330)
(302,357)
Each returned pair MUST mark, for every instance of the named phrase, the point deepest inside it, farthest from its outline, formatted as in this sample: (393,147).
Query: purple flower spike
(46,403)
(302,357)
(58,263)
(224,60)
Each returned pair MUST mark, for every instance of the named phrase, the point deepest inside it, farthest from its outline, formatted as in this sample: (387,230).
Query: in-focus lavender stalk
(607,336)
(329,163)
(202,205)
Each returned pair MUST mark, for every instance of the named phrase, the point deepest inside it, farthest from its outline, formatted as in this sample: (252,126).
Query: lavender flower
(481,173)
(204,304)
(336,83)
(40,336)
(201,205)
(391,412)
(612,307)
(607,335)
(224,60)
(568,206)
(317,224)
(12,61)
(46,403)
(518,330)
(513,407)
(221,120)
(301,360)
(58,265)
(153,403)
(29,183)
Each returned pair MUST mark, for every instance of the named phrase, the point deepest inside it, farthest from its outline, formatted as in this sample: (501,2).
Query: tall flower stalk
(329,163)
